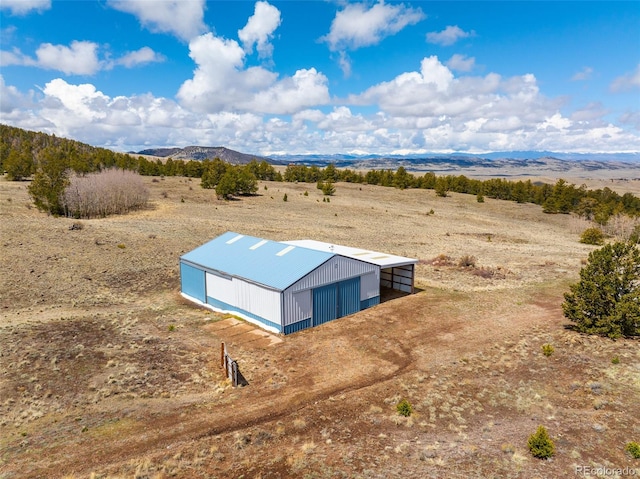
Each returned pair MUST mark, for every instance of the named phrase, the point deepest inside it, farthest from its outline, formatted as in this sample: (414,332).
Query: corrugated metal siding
(367,303)
(297,306)
(370,285)
(263,302)
(336,269)
(299,326)
(325,304)
(348,297)
(260,301)
(254,318)
(192,282)
(220,288)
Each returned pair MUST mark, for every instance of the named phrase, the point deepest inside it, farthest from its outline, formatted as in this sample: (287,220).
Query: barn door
(348,297)
(336,300)
(325,304)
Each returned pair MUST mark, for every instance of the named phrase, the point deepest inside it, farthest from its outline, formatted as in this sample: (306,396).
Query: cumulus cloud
(80,58)
(259,29)
(583,74)
(357,26)
(23,7)
(140,57)
(461,63)
(427,110)
(221,82)
(449,35)
(628,82)
(184,19)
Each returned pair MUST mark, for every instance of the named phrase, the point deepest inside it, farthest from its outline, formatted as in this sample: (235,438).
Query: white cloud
(592,112)
(259,29)
(23,7)
(583,74)
(14,57)
(628,82)
(11,99)
(449,35)
(80,58)
(182,18)
(358,26)
(461,63)
(428,110)
(140,57)
(220,82)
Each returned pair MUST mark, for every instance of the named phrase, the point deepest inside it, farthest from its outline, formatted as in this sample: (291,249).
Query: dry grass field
(106,372)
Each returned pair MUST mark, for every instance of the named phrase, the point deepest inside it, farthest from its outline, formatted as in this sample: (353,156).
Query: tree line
(49,161)
(598,205)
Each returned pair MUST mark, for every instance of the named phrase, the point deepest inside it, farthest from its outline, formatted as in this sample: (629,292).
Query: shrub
(633,448)
(284,198)
(404,408)
(615,360)
(467,261)
(480,198)
(540,444)
(172,327)
(593,236)
(547,350)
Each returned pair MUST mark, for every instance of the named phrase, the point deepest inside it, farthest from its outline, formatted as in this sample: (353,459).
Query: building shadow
(389,294)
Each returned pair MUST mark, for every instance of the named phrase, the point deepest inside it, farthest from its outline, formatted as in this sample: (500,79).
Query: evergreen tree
(19,164)
(227,186)
(50,181)
(606,300)
(212,173)
(246,182)
(402,179)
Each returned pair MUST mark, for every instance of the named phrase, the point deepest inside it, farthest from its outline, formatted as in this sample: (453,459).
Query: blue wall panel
(367,303)
(299,326)
(192,282)
(348,296)
(336,300)
(325,304)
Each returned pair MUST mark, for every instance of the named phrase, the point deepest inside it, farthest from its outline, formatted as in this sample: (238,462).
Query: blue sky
(298,77)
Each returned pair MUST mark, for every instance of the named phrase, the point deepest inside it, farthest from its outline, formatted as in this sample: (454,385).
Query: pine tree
(606,300)
(540,444)
(50,181)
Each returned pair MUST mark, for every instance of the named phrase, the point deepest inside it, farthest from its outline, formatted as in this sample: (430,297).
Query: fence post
(222,351)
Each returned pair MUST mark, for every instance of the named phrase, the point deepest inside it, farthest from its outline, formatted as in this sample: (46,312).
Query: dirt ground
(106,372)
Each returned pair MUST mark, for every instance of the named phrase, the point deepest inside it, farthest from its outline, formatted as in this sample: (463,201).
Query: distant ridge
(203,152)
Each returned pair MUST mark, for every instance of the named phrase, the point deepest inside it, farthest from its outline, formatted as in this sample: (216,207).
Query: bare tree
(104,193)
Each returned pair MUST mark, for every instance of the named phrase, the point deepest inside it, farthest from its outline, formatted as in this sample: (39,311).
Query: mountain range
(417,162)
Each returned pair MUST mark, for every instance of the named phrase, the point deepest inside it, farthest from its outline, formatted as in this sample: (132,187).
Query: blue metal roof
(273,264)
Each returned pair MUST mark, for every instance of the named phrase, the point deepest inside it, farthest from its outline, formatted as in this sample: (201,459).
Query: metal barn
(283,287)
